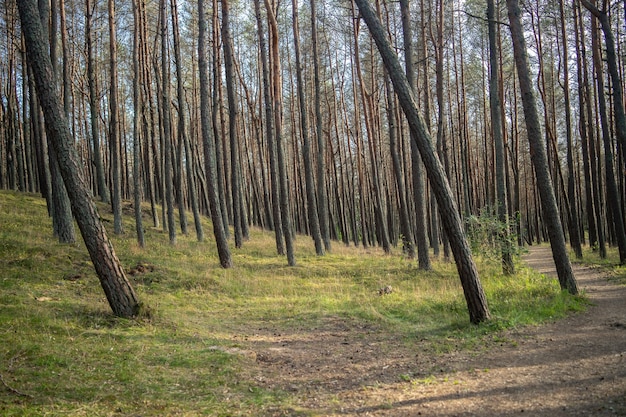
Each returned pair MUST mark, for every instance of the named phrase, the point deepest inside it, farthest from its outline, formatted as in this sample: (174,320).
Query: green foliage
(63,353)
(488,236)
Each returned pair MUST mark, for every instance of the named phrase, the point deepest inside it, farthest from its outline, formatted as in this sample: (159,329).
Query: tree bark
(114,140)
(312,213)
(118,290)
(232,126)
(473,291)
(209,144)
(538,153)
(496,126)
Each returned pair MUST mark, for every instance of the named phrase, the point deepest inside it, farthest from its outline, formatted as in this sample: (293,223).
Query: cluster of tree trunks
(294,118)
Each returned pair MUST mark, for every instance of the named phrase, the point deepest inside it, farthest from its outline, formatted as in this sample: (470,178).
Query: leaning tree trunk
(538,153)
(472,288)
(118,290)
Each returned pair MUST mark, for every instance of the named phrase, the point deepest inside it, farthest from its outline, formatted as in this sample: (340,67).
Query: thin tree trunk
(232,128)
(166,128)
(277,103)
(94,109)
(209,144)
(314,223)
(496,126)
(141,241)
(114,140)
(322,198)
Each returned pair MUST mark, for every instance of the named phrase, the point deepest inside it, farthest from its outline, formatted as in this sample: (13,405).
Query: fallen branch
(13,390)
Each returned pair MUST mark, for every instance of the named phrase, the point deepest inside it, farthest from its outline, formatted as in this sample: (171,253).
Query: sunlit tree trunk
(119,292)
(312,214)
(209,144)
(496,126)
(474,294)
(538,153)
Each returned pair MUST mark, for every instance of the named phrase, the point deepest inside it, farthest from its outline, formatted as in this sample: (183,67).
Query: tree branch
(482,18)
(13,390)
(593,9)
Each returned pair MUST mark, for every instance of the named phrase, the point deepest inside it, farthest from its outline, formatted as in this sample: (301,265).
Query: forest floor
(573,366)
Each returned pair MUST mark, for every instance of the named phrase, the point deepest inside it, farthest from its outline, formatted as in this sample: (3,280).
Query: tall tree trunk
(166,129)
(137,78)
(613,194)
(182,132)
(62,221)
(474,294)
(114,140)
(118,290)
(209,144)
(322,197)
(280,153)
(538,153)
(419,196)
(94,110)
(496,126)
(571,190)
(232,125)
(314,224)
(269,132)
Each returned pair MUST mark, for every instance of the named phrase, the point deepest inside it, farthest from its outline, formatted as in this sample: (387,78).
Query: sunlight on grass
(62,348)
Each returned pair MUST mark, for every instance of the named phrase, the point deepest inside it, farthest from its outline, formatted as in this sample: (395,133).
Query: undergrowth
(62,352)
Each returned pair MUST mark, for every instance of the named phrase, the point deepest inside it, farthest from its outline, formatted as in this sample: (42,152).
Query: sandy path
(575,366)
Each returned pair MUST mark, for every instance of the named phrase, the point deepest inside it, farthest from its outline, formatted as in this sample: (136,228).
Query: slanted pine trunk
(472,288)
(118,290)
(538,153)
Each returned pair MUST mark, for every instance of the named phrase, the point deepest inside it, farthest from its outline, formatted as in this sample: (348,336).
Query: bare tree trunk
(322,198)
(114,140)
(474,294)
(232,128)
(141,241)
(282,172)
(182,133)
(94,110)
(613,195)
(418,181)
(571,190)
(166,128)
(269,132)
(209,144)
(119,292)
(314,223)
(496,126)
(538,153)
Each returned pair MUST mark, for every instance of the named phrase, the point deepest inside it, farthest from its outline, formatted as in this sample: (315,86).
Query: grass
(63,353)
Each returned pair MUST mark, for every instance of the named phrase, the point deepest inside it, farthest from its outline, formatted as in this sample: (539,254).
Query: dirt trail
(574,366)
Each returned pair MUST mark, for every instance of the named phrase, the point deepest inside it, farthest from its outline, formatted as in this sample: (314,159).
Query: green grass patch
(61,347)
